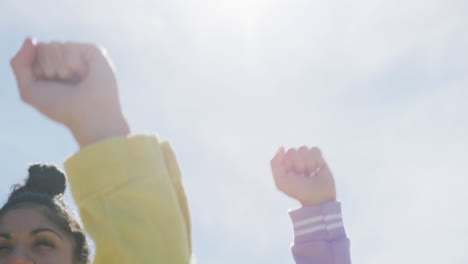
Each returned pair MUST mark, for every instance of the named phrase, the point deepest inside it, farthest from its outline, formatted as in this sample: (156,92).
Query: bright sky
(380,86)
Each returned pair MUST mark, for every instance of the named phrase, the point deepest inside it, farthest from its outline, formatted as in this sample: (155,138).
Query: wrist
(306,203)
(97,128)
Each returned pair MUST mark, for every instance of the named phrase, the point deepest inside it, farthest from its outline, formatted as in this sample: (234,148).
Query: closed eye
(44,244)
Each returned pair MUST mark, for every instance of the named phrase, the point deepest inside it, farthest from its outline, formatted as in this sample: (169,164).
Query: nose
(19,255)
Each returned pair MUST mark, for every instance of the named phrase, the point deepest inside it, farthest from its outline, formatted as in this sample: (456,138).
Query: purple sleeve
(319,235)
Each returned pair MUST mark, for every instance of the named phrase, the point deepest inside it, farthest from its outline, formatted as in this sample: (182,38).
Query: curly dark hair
(45,187)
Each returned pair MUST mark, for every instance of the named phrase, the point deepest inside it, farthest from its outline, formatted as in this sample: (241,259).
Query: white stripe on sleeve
(328,227)
(316,219)
(310,230)
(308,221)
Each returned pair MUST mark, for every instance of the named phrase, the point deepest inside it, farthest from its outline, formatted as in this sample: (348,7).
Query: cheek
(56,259)
(63,255)
(37,257)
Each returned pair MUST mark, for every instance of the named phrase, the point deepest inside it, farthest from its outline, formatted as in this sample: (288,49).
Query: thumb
(277,161)
(22,63)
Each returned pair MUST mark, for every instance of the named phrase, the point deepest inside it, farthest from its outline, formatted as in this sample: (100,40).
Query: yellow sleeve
(131,201)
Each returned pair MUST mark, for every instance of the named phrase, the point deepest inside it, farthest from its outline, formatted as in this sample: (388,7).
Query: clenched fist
(73,84)
(303,174)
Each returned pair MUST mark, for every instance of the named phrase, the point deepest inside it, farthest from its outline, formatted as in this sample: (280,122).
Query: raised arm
(128,188)
(319,236)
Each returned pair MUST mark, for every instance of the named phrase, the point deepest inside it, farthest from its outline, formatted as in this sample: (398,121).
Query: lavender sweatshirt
(319,235)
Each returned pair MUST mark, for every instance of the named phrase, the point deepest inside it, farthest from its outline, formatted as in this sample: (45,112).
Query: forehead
(25,219)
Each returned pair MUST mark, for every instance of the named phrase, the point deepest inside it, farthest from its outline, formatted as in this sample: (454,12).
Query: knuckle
(315,149)
(303,149)
(291,152)
(83,51)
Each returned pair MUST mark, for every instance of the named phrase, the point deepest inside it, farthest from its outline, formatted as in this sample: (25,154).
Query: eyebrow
(39,230)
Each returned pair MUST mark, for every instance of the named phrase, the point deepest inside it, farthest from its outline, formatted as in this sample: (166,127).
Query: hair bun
(45,179)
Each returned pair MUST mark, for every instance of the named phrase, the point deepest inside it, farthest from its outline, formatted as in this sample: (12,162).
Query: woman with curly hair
(127,187)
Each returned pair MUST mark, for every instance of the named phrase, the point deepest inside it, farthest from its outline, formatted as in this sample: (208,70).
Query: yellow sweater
(132,201)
